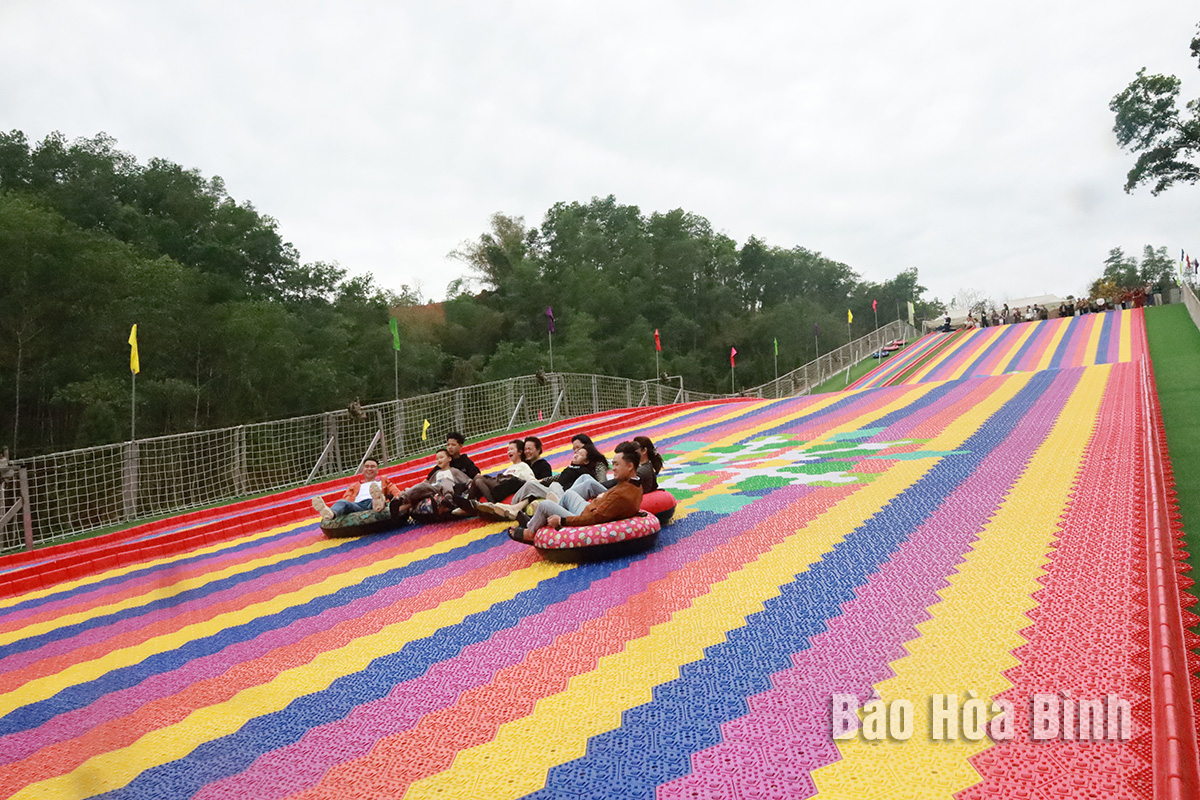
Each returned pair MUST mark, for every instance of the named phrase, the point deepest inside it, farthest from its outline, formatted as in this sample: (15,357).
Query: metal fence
(52,497)
(804,379)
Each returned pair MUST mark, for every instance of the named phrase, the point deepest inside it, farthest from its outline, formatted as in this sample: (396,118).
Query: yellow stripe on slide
(162,591)
(968,641)
(1007,362)
(83,582)
(1093,342)
(115,769)
(1126,351)
(1060,330)
(558,729)
(47,686)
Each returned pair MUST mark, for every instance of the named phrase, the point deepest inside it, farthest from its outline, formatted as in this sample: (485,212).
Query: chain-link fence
(804,379)
(84,490)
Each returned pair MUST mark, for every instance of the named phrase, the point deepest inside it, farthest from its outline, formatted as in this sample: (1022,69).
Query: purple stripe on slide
(301,765)
(162,617)
(126,701)
(96,597)
(855,650)
(1114,336)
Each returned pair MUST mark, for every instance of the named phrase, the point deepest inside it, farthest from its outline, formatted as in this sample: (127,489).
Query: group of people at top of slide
(581,494)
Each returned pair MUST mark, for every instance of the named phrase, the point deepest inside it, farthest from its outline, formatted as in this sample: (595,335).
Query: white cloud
(970,140)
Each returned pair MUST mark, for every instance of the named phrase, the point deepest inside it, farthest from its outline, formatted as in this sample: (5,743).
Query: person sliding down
(508,480)
(442,483)
(368,492)
(532,490)
(587,502)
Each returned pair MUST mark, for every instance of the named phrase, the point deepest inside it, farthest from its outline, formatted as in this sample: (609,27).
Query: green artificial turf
(838,382)
(1175,353)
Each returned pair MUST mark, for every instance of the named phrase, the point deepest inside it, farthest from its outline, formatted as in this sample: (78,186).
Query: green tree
(1150,123)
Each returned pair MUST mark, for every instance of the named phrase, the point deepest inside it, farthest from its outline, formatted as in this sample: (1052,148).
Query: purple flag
(816,330)
(550,318)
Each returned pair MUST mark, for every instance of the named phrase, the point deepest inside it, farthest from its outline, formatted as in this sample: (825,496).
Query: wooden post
(26,516)
(129,480)
(239,460)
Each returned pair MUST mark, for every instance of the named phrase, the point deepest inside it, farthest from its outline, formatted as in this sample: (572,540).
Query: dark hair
(536,442)
(629,451)
(441,450)
(376,460)
(456,436)
(651,453)
(520,444)
(593,454)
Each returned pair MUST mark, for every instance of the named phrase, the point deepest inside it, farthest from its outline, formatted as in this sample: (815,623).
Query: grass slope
(838,382)
(1175,352)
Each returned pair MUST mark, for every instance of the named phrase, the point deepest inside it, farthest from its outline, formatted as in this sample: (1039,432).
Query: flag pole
(550,336)
(135,366)
(849,339)
(394,326)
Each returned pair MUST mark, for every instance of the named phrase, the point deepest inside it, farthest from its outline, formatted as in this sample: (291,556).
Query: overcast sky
(970,140)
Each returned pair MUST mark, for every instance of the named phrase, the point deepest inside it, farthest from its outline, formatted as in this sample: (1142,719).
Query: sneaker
(322,509)
(377,501)
(499,510)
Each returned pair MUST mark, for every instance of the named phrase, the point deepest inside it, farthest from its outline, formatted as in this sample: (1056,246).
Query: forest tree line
(235,328)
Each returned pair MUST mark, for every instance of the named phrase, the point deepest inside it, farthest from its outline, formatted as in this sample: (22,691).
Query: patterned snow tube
(360,523)
(660,503)
(596,542)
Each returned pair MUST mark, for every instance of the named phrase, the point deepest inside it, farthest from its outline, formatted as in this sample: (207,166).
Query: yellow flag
(135,366)
(425,430)
(849,316)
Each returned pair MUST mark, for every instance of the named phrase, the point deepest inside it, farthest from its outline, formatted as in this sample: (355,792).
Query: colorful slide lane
(1026,347)
(981,538)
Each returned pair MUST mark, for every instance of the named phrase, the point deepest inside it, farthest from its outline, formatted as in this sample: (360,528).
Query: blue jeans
(343,507)
(570,504)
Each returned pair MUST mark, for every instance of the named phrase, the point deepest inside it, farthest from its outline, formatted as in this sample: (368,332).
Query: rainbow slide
(963,584)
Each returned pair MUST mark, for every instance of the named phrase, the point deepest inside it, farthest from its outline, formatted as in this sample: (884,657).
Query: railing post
(239,460)
(595,395)
(129,479)
(332,449)
(26,515)
(383,445)
(399,428)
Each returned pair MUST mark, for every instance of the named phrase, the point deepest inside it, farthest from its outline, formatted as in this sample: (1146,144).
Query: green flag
(777,347)
(395,333)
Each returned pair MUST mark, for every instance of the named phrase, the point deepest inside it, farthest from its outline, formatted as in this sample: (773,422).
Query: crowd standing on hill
(1071,307)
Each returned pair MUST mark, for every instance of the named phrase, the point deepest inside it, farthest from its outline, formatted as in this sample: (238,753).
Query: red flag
(874,305)
(657,342)
(732,353)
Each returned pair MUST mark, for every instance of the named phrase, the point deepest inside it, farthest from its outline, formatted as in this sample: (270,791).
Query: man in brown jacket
(574,509)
